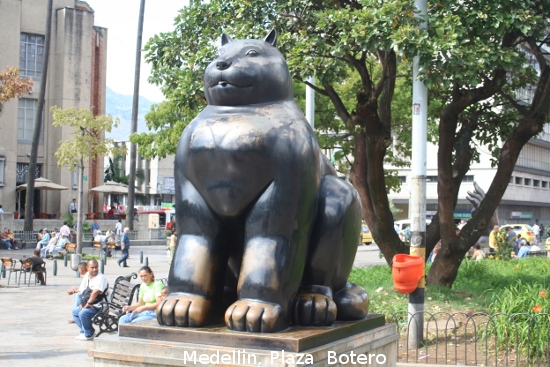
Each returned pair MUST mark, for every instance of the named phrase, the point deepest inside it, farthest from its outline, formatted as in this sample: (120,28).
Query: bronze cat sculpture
(267,233)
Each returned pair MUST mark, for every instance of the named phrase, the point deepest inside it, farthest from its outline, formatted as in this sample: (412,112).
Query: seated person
(111,242)
(523,251)
(150,295)
(52,246)
(478,254)
(37,262)
(11,236)
(82,269)
(44,239)
(102,239)
(6,241)
(111,214)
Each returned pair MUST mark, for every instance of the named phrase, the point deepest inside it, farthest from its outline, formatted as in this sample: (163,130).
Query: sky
(120,17)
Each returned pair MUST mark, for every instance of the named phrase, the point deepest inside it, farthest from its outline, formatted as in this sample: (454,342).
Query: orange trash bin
(407,270)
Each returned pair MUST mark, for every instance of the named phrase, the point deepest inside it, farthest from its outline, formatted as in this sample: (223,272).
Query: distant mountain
(119,105)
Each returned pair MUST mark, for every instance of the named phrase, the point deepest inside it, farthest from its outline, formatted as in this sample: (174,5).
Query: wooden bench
(97,247)
(541,253)
(124,293)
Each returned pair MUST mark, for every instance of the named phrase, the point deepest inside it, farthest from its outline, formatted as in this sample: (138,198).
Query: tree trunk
(29,202)
(80,215)
(133,165)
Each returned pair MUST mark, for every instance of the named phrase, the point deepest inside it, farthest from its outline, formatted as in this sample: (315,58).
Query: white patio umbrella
(43,184)
(111,187)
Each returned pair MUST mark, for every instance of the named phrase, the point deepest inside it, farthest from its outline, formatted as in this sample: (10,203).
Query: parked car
(401,225)
(366,235)
(525,230)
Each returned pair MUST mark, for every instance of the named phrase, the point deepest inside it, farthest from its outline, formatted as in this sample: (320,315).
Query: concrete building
(157,185)
(526,199)
(76,78)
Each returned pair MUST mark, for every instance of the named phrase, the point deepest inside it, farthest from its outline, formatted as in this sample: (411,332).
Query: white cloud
(120,17)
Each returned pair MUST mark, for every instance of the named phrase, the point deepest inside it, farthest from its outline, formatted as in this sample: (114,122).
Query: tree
(471,60)
(12,85)
(87,141)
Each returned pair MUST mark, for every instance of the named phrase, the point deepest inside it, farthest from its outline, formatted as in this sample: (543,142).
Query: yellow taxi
(525,230)
(366,235)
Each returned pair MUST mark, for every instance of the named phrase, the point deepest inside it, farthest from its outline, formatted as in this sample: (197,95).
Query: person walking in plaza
(96,288)
(72,206)
(125,246)
(150,295)
(536,231)
(118,230)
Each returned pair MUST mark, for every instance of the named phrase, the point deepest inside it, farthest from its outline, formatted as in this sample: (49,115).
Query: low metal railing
(476,338)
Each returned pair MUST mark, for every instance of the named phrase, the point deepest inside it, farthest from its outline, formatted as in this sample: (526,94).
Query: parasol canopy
(42,183)
(111,187)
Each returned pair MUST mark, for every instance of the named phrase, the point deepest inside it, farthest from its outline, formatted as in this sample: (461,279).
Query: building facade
(527,197)
(76,78)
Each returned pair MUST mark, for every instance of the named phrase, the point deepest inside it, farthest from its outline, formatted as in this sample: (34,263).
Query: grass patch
(477,285)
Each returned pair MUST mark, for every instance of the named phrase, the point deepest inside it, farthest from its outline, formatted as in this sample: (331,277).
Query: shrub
(528,323)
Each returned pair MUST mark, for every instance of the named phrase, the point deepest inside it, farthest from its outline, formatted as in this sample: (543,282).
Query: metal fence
(476,339)
(30,237)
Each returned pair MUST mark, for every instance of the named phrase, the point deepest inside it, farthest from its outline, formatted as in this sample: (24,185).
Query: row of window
(433,179)
(524,181)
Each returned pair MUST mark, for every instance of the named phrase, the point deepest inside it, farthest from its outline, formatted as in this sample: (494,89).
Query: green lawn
(475,288)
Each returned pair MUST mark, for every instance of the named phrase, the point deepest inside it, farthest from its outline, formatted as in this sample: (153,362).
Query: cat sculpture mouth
(222,83)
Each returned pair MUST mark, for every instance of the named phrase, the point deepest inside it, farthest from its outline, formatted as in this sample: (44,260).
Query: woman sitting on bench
(150,295)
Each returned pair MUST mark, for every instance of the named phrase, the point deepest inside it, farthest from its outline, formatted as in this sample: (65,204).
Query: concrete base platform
(374,347)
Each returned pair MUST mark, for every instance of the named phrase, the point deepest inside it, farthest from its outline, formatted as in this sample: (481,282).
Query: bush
(528,323)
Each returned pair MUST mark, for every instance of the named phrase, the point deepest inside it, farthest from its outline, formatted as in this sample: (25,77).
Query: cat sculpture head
(247,72)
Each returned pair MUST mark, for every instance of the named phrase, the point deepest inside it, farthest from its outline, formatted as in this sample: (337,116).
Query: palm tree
(114,172)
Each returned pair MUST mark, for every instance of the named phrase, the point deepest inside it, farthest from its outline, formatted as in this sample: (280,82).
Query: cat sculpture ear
(226,39)
(271,38)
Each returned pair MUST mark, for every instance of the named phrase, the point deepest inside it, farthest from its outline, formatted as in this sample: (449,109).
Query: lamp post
(417,208)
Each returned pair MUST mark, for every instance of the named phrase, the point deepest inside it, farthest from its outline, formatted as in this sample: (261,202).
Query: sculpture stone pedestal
(368,342)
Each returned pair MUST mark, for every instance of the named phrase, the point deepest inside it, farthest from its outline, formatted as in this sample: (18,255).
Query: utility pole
(417,208)
(29,200)
(135,105)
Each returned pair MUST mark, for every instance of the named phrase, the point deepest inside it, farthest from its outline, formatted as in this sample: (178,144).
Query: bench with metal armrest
(124,293)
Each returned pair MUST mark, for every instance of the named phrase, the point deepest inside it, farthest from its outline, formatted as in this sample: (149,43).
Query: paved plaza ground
(34,328)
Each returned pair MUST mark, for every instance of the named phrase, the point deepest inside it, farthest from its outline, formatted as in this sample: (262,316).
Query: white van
(401,225)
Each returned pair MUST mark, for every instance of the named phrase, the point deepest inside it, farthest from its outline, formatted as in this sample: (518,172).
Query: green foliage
(529,323)
(477,287)
(87,226)
(87,138)
(505,248)
(68,217)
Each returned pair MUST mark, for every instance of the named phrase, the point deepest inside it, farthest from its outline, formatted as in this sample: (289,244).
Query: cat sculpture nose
(222,65)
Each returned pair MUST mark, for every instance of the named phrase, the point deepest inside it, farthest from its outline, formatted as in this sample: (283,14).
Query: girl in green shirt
(150,292)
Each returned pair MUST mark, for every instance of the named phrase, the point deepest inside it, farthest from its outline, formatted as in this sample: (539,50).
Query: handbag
(86,293)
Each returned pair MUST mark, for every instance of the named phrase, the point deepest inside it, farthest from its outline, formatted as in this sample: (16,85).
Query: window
(527,182)
(544,184)
(536,183)
(25,120)
(31,53)
(403,179)
(468,178)
(2,167)
(511,182)
(431,179)
(519,180)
